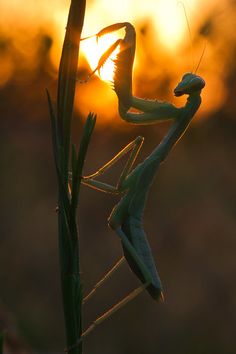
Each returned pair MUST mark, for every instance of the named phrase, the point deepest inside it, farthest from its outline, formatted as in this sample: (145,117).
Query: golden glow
(170,22)
(97,96)
(171,31)
(166,15)
(163,48)
(93,50)
(6,69)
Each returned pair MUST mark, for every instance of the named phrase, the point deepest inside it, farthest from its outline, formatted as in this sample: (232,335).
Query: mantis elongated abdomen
(133,229)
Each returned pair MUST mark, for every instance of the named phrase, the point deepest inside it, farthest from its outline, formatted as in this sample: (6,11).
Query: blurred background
(190,214)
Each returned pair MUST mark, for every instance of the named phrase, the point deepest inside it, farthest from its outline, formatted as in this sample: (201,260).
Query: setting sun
(93,50)
(163,47)
(172,31)
(90,173)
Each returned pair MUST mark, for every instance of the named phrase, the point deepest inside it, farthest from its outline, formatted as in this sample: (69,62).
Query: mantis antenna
(180,3)
(200,60)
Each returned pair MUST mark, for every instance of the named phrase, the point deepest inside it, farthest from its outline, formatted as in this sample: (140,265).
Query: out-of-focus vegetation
(190,215)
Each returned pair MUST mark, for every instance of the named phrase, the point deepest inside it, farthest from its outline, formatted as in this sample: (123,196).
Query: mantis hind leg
(107,276)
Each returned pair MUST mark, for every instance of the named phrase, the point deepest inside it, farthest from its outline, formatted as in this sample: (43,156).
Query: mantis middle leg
(90,181)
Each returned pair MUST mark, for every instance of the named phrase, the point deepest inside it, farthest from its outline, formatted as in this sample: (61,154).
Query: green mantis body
(133,186)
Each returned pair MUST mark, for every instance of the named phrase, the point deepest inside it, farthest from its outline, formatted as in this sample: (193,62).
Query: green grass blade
(54,129)
(68,232)
(78,167)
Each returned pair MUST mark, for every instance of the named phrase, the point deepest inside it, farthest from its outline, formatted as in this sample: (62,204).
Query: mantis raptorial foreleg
(153,110)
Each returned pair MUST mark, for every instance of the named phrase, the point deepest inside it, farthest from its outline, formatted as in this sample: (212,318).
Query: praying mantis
(126,217)
(134,184)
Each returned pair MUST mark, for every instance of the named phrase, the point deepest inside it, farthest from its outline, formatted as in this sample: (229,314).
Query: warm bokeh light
(190,212)
(171,32)
(163,49)
(94,49)
(170,22)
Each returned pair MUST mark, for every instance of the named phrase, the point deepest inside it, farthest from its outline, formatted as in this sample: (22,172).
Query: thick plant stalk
(68,195)
(68,73)
(68,233)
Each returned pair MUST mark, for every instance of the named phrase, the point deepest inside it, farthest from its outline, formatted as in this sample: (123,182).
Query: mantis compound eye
(200,83)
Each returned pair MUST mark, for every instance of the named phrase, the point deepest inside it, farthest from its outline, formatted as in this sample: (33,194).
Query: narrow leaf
(54,129)
(77,173)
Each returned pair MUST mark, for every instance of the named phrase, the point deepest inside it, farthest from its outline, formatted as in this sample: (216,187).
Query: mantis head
(189,84)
